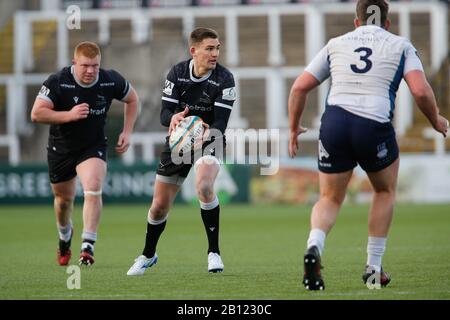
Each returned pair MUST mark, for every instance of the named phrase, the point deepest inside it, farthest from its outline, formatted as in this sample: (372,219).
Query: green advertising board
(29,184)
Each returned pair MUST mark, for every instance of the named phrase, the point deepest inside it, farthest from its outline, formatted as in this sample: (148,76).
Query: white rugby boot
(215,263)
(141,263)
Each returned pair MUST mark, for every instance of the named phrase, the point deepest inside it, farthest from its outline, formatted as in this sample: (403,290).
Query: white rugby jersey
(366,68)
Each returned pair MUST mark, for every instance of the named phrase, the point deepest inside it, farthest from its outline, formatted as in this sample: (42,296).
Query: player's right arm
(43,112)
(316,72)
(170,101)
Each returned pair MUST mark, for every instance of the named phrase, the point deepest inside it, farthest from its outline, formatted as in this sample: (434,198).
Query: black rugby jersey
(65,92)
(210,97)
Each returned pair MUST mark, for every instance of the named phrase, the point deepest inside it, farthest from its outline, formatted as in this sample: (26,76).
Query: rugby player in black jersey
(75,102)
(199,86)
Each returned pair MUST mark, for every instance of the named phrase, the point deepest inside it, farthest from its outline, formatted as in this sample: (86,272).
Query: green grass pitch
(262,249)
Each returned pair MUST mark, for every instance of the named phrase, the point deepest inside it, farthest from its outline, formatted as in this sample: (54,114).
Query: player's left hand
(442,126)
(177,118)
(198,143)
(123,143)
(293,140)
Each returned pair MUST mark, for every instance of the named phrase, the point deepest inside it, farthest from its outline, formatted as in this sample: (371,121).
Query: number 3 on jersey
(365,58)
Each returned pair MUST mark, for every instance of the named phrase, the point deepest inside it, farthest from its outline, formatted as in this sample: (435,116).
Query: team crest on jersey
(205,98)
(101,100)
(168,87)
(229,94)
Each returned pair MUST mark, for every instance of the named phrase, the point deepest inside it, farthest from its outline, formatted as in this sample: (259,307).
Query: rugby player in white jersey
(366,67)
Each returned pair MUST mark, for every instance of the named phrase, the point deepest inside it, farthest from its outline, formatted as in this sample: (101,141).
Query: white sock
(92,236)
(316,238)
(65,232)
(156,222)
(209,205)
(375,251)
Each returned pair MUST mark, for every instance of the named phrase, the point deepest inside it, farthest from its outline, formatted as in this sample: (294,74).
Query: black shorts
(346,140)
(61,165)
(177,168)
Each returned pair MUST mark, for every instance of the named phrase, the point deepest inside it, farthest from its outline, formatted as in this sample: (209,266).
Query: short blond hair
(87,49)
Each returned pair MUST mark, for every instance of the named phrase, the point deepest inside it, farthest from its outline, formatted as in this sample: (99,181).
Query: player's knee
(334,198)
(338,199)
(93,187)
(386,193)
(158,210)
(205,189)
(63,203)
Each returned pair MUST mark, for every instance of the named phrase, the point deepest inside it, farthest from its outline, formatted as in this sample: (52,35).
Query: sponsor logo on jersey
(107,84)
(65,85)
(183,80)
(97,112)
(229,94)
(44,91)
(75,99)
(197,107)
(213,83)
(168,86)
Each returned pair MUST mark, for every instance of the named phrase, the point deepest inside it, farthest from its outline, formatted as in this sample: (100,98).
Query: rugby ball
(187,135)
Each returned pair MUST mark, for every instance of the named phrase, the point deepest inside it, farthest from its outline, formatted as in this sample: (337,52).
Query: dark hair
(363,5)
(199,34)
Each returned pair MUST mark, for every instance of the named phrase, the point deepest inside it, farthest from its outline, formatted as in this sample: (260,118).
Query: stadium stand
(265,45)
(98,4)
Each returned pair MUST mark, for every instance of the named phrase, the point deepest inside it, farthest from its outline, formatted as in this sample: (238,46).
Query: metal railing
(274,73)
